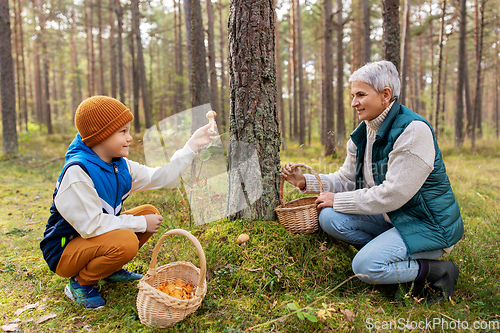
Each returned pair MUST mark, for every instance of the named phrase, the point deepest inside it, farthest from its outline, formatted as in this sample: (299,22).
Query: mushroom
(210,116)
(242,239)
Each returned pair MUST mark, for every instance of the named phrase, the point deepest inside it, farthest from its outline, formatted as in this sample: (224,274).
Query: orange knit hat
(98,117)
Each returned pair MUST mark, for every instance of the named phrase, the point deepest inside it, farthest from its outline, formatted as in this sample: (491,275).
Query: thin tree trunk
(469,110)
(214,90)
(357,32)
(295,93)
(340,77)
(141,68)
(390,36)
(302,111)
(112,49)
(476,118)
(253,114)
(180,68)
(329,103)
(459,114)
(290,85)
(7,83)
(24,95)
(74,99)
(279,81)
(177,59)
(404,52)
(322,116)
(187,20)
(102,88)
(367,41)
(223,77)
(440,64)
(431,62)
(135,84)
(497,80)
(119,32)
(90,37)
(200,92)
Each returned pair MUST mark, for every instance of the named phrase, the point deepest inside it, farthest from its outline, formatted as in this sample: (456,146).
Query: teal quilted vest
(430,220)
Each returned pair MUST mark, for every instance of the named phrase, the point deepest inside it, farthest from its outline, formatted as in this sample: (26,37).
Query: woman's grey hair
(379,75)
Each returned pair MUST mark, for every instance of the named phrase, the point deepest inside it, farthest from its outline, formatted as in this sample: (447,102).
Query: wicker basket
(156,308)
(299,215)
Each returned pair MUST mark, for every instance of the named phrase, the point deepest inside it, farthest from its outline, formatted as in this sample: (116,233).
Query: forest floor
(278,282)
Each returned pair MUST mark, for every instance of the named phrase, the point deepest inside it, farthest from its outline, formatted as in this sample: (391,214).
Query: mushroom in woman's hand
(210,116)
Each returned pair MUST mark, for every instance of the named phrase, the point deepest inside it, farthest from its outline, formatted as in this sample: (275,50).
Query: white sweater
(410,163)
(78,202)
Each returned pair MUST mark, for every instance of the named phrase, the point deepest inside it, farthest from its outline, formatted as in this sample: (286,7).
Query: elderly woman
(391,199)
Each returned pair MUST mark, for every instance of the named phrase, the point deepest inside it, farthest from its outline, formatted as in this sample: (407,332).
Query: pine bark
(102,88)
(367,41)
(405,52)
(141,68)
(112,49)
(295,93)
(440,66)
(187,21)
(200,92)
(214,90)
(301,96)
(223,77)
(476,118)
(7,83)
(119,51)
(279,82)
(459,113)
(253,114)
(328,77)
(341,130)
(390,36)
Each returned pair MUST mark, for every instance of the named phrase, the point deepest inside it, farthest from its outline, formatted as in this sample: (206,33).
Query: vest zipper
(115,168)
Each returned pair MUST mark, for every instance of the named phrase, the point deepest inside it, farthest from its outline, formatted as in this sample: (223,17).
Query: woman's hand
(201,137)
(292,174)
(153,222)
(325,199)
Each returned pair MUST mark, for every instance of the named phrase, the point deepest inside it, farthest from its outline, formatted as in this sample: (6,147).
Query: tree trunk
(214,90)
(177,59)
(200,93)
(24,95)
(295,93)
(290,84)
(112,49)
(90,38)
(102,88)
(302,111)
(329,121)
(253,114)
(431,62)
(405,52)
(180,69)
(7,83)
(459,114)
(135,84)
(497,81)
(367,41)
(119,32)
(187,20)
(46,65)
(340,77)
(74,98)
(141,68)
(279,82)
(440,64)
(223,77)
(476,118)
(390,36)
(357,31)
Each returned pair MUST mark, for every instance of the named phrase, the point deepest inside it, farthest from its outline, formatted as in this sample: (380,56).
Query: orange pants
(93,259)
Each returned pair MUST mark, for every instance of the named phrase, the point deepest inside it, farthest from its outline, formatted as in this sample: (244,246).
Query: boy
(87,237)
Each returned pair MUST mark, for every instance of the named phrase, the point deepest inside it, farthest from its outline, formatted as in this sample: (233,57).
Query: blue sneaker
(123,276)
(88,295)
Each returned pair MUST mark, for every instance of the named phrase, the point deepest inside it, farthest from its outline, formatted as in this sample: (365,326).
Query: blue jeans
(383,257)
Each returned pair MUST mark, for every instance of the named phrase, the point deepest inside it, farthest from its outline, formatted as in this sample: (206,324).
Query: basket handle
(282,201)
(196,243)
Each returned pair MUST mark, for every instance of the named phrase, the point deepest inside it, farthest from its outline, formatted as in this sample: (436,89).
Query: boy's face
(116,145)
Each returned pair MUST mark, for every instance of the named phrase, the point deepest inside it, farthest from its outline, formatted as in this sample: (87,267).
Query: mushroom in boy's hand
(242,239)
(210,116)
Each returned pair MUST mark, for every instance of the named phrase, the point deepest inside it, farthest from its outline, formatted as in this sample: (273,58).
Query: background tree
(328,77)
(253,115)
(7,83)
(459,108)
(390,37)
(214,90)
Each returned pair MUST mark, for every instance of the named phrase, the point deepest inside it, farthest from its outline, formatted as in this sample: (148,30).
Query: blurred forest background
(149,54)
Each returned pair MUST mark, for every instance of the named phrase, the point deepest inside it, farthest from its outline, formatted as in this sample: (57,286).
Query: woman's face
(367,101)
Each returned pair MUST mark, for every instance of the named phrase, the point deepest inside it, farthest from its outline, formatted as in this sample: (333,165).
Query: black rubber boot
(442,277)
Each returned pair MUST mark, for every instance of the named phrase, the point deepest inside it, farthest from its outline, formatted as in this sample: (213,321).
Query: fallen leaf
(26,307)
(45,318)
(350,316)
(278,273)
(418,300)
(10,327)
(323,247)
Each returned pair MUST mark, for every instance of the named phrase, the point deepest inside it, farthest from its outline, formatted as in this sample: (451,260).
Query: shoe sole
(69,294)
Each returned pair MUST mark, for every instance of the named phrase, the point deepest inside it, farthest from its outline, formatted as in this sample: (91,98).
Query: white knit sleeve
(79,204)
(339,181)
(410,163)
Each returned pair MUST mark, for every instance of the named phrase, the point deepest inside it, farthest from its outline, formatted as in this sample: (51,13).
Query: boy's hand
(153,222)
(201,137)
(292,174)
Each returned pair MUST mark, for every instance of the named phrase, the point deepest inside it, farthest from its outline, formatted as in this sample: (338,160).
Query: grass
(269,284)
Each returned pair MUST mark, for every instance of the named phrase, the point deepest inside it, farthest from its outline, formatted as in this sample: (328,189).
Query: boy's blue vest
(431,219)
(112,182)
